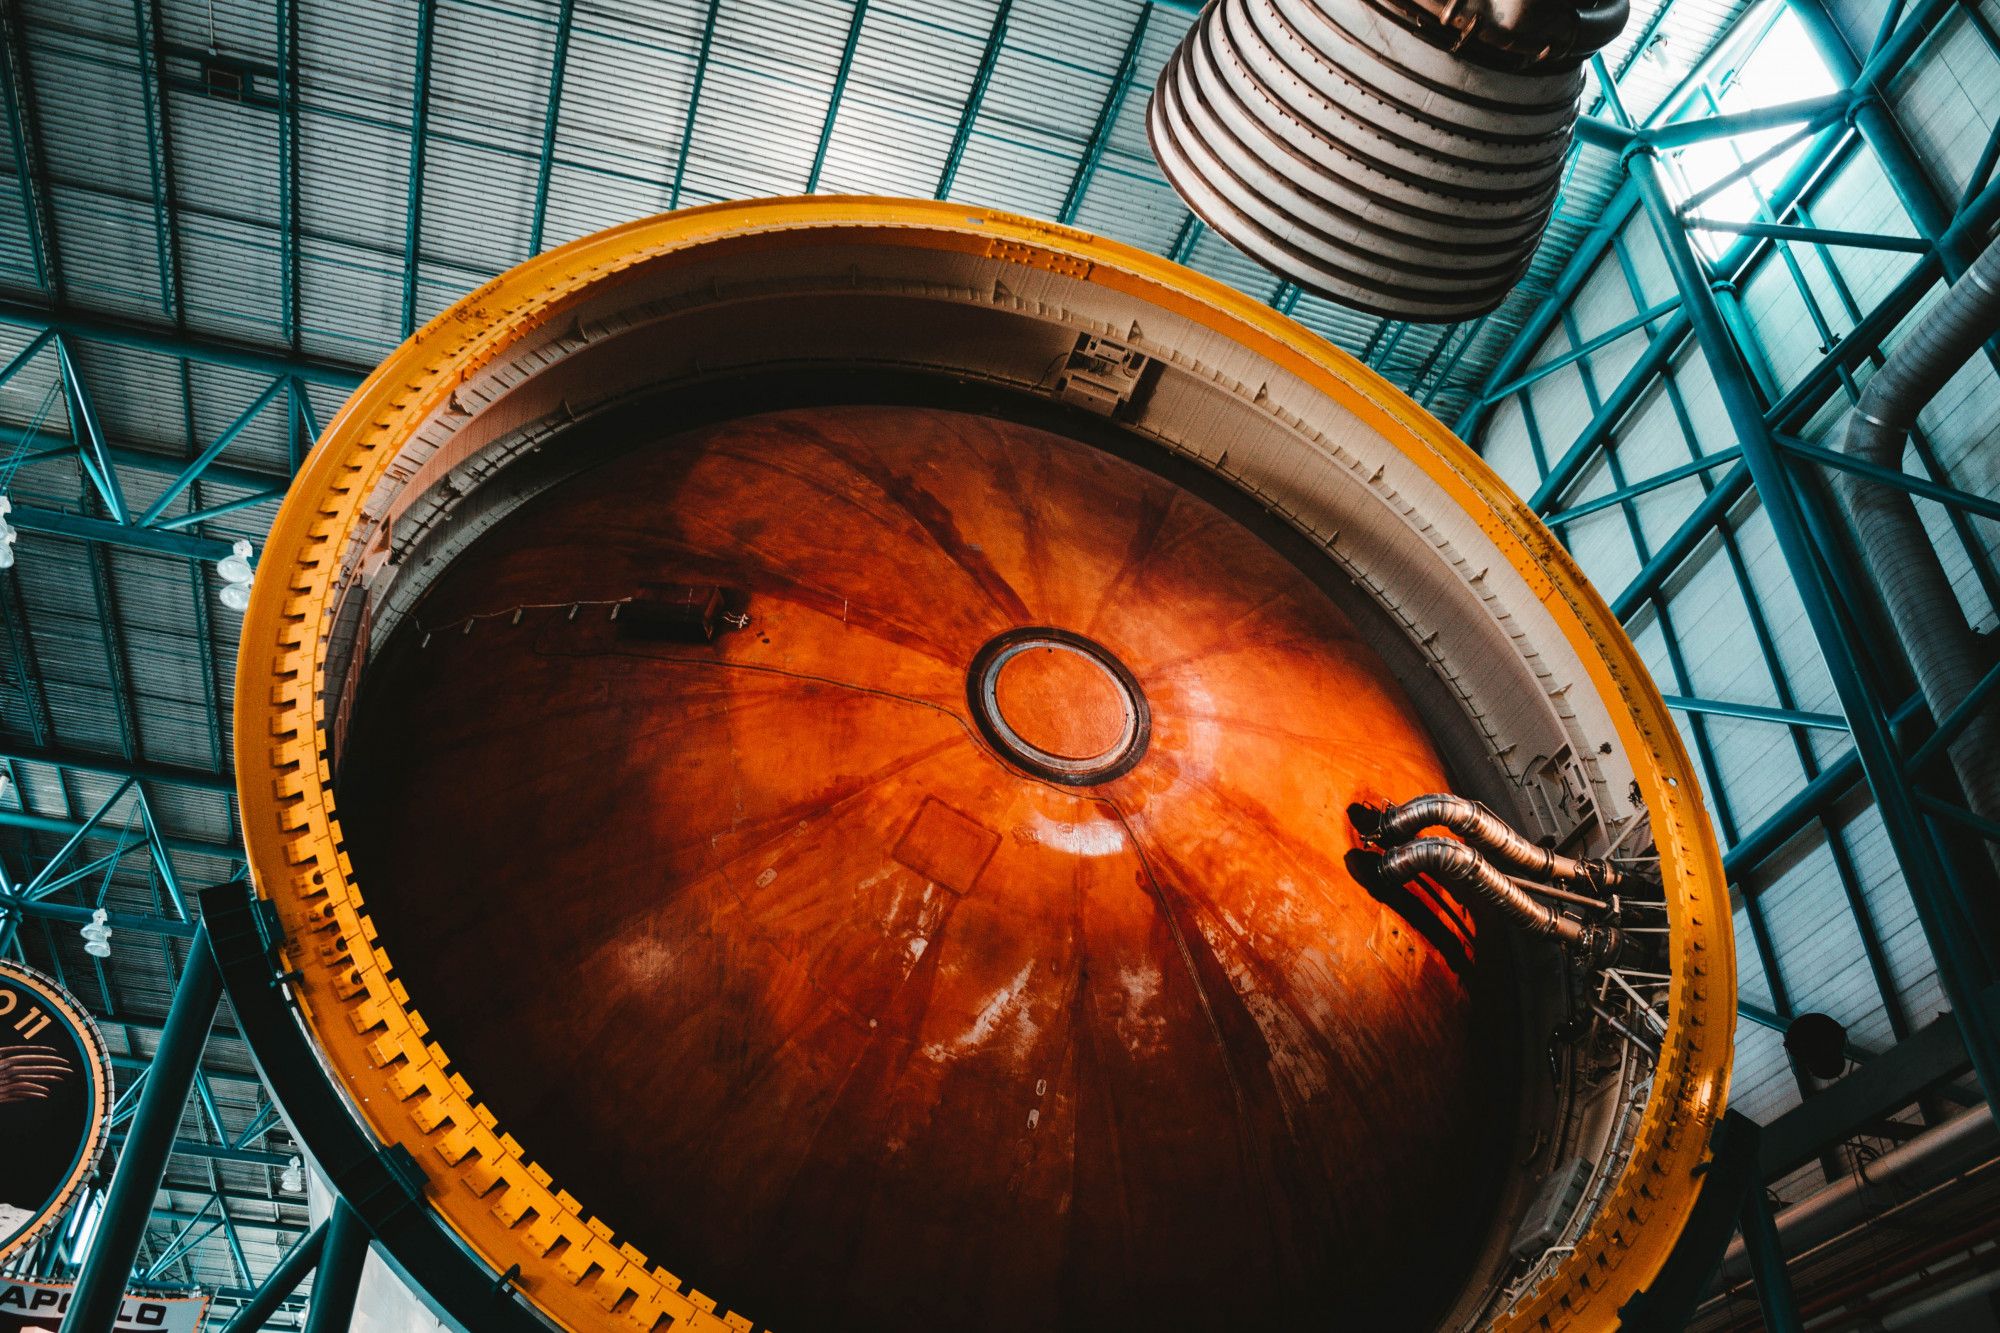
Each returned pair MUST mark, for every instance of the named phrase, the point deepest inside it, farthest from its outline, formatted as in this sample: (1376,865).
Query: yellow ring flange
(481,1182)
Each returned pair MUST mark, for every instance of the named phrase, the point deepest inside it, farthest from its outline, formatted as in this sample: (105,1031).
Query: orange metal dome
(964,940)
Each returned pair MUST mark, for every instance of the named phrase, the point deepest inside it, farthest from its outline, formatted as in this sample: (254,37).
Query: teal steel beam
(681,153)
(1915,485)
(1795,185)
(1107,118)
(62,827)
(159,155)
(1941,913)
(1598,343)
(1608,135)
(229,1232)
(1875,1089)
(989,60)
(132,1064)
(105,532)
(97,820)
(1618,134)
(142,1163)
(1906,173)
(1563,473)
(287,43)
(1575,273)
(116,766)
(223,510)
(136,922)
(46,446)
(90,440)
(413,209)
(1840,776)
(1790,717)
(18,89)
(228,436)
(331,1309)
(1956,814)
(1811,111)
(1758,1014)
(120,331)
(1952,723)
(273,1224)
(217,1152)
(182,1241)
(1692,468)
(262,1303)
(1444,376)
(552,114)
(832,117)
(1750,166)
(1982,171)
(263,1121)
(1775,231)
(1775,1299)
(1418,376)
(224,474)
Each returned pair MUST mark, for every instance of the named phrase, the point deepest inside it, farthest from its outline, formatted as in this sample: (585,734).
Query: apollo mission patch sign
(55,1097)
(39,1307)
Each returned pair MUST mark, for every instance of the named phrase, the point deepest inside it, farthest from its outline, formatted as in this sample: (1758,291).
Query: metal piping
(1400,157)
(1931,1158)
(1458,866)
(1944,654)
(1488,832)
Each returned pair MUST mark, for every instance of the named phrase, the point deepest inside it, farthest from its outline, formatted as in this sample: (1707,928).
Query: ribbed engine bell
(1400,159)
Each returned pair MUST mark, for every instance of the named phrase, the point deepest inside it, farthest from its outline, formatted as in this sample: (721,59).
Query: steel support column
(1943,917)
(1767,1263)
(340,1261)
(301,1259)
(143,1162)
(1877,125)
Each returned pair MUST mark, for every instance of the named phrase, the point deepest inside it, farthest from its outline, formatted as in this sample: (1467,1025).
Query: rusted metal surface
(762,948)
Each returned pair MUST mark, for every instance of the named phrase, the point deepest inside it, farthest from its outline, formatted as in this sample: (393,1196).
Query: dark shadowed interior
(784,946)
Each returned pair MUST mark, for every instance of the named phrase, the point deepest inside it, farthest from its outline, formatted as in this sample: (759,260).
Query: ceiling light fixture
(97,935)
(236,574)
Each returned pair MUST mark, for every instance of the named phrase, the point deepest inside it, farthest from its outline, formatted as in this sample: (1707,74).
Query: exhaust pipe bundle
(1396,855)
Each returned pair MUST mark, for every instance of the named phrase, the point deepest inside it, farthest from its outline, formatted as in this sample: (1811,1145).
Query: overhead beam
(144,770)
(551,115)
(989,60)
(23,114)
(1872,1091)
(132,922)
(236,1219)
(1107,118)
(220,1152)
(222,851)
(108,532)
(832,117)
(164,340)
(420,110)
(682,151)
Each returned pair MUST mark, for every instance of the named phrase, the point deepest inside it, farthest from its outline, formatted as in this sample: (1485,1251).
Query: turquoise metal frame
(1897,741)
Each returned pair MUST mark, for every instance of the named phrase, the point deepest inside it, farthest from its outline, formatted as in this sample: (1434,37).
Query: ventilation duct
(1400,158)
(1945,655)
